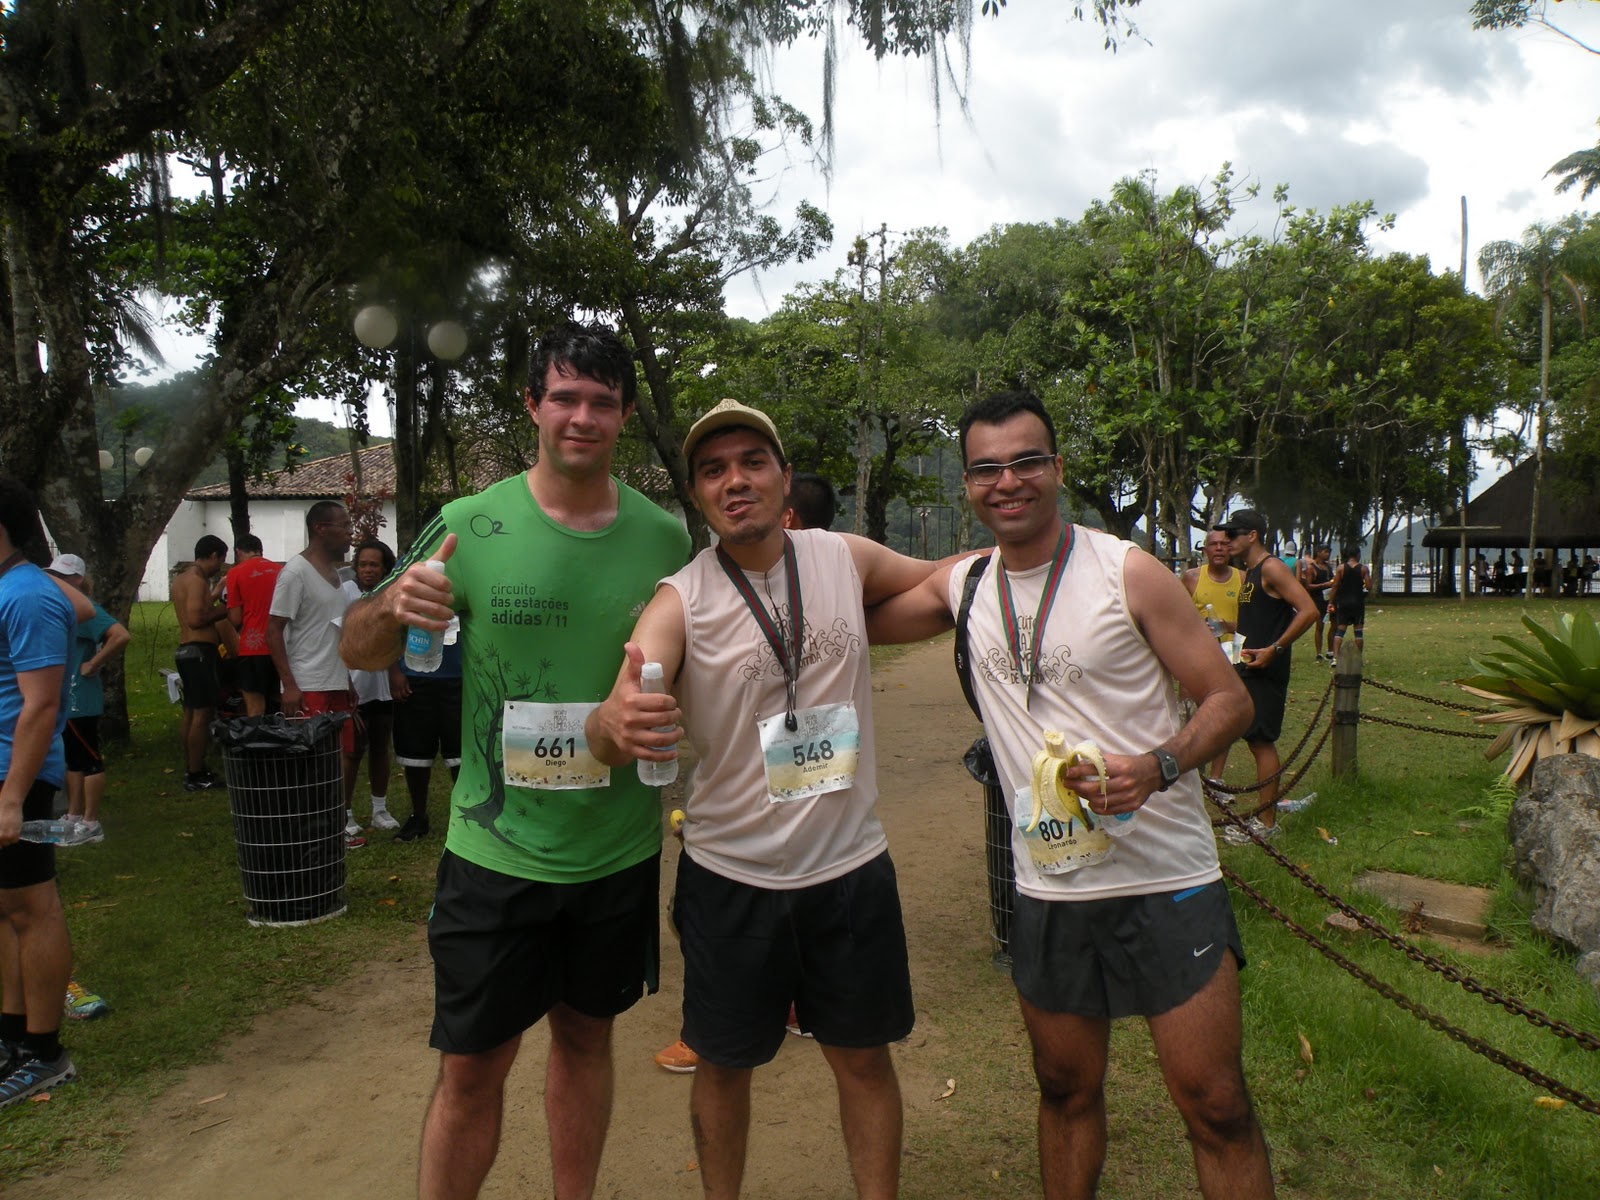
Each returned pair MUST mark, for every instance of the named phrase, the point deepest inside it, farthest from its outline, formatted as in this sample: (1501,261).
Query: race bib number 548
(818,756)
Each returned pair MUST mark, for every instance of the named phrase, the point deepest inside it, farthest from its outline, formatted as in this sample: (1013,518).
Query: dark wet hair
(210,546)
(588,351)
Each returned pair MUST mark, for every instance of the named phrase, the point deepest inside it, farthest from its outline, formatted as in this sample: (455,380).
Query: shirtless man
(202,618)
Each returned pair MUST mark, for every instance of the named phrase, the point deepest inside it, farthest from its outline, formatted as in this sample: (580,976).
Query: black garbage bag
(286,796)
(298,735)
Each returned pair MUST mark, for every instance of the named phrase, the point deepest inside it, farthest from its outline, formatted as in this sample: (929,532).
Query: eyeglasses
(1031,467)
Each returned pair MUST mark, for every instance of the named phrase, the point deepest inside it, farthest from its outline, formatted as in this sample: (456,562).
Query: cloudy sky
(1402,103)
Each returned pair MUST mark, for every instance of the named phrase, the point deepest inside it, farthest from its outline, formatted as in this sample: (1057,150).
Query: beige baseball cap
(726,415)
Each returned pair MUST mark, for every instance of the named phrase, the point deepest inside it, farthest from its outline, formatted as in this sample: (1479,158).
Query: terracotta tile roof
(326,478)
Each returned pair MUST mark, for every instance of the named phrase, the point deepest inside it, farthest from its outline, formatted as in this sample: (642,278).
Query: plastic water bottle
(1117,824)
(48,832)
(425,647)
(1213,622)
(652,773)
(1297,804)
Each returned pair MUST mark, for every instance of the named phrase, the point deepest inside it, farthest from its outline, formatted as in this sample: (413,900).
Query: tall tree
(1546,261)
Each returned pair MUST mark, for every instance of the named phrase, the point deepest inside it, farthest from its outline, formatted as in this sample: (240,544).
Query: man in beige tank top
(1075,631)
(785,889)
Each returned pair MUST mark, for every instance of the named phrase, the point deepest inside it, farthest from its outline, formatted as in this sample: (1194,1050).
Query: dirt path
(325,1099)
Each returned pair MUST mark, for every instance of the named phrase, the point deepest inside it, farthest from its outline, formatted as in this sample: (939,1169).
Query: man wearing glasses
(1075,631)
(1274,609)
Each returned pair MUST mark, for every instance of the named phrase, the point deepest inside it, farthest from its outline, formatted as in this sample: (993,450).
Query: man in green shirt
(548,890)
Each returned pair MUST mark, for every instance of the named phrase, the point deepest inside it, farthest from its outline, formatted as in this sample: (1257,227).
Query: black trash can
(998,863)
(286,795)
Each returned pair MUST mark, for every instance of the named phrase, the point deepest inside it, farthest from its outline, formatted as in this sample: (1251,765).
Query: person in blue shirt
(37,623)
(98,639)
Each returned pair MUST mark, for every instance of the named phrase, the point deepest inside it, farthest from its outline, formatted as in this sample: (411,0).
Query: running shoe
(89,832)
(414,828)
(33,1076)
(793,1024)
(381,819)
(82,1004)
(353,841)
(200,781)
(1235,836)
(678,1059)
(10,1057)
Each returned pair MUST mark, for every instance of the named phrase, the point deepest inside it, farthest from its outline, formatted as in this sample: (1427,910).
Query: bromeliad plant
(1548,690)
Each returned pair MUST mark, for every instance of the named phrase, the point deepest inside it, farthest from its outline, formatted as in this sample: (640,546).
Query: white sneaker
(352,828)
(1235,836)
(89,832)
(382,820)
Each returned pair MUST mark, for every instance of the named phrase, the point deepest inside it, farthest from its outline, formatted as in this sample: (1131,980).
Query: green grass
(157,921)
(1397,1108)
(1387,1108)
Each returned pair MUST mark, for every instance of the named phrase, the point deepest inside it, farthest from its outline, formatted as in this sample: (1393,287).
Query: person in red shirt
(249,588)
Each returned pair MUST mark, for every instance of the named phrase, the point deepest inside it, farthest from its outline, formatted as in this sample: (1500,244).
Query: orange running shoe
(678,1059)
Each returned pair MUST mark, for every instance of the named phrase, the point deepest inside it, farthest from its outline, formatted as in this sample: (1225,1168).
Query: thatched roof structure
(1569,512)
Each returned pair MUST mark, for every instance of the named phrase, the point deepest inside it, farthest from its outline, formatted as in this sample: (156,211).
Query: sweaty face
(579,420)
(369,569)
(334,534)
(739,485)
(1218,548)
(1015,509)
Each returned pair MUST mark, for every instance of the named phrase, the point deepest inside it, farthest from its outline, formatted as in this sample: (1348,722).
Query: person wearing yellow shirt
(1217,584)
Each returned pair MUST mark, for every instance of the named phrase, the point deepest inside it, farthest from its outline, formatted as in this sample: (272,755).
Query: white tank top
(1098,678)
(731,678)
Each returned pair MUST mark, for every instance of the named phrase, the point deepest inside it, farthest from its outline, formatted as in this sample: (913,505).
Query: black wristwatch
(1169,768)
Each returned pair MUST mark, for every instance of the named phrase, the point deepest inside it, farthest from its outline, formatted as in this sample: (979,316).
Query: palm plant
(1548,690)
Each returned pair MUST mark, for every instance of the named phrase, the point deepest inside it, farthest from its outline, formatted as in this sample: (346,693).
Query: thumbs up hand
(422,596)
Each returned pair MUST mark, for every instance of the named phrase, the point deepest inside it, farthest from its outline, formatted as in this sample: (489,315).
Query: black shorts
(507,950)
(428,725)
(1269,694)
(197,668)
(1348,615)
(837,950)
(375,708)
(81,741)
(1124,957)
(254,673)
(23,864)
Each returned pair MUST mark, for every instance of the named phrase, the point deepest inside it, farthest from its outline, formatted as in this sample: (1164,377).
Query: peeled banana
(1049,792)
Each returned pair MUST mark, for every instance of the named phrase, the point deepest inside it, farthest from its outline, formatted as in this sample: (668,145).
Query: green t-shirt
(544,613)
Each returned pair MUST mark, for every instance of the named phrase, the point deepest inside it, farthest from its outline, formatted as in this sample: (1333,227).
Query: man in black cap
(1274,609)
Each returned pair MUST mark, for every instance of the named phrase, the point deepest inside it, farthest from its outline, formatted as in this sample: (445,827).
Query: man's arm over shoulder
(624,726)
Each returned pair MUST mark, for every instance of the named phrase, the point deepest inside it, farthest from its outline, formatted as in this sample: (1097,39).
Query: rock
(1555,847)
(1588,968)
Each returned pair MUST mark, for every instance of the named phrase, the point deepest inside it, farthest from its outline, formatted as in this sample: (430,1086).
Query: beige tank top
(731,679)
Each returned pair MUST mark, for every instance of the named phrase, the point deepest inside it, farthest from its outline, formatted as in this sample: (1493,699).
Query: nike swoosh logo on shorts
(1203,949)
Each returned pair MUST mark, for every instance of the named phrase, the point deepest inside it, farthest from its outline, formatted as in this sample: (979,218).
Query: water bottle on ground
(651,773)
(52,833)
(1297,803)
(425,647)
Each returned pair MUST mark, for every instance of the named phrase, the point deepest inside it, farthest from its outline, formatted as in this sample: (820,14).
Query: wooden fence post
(1346,707)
